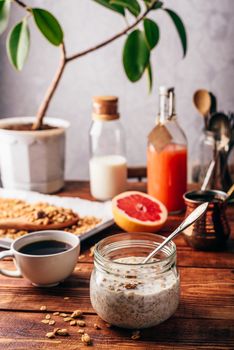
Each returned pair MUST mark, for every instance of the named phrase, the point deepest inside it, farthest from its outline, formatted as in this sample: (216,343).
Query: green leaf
(18,42)
(150,76)
(48,26)
(5,6)
(131,5)
(113,7)
(180,28)
(151,32)
(158,5)
(135,55)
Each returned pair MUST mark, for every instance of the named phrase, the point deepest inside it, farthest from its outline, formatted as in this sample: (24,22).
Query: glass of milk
(108,164)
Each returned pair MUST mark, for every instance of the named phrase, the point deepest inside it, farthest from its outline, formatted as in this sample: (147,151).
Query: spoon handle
(189,220)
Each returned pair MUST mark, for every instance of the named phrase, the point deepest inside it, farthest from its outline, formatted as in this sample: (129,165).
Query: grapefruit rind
(130,224)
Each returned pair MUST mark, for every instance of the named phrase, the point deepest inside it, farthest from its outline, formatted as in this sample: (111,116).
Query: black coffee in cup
(48,247)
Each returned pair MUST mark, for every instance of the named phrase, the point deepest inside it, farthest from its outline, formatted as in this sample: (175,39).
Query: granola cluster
(43,214)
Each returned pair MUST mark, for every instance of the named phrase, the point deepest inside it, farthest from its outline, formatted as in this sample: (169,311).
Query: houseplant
(139,43)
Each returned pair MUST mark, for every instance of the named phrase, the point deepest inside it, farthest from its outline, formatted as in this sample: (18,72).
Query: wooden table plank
(204,319)
(202,294)
(181,332)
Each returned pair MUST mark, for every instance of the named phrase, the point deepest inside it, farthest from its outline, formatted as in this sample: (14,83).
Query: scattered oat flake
(76,314)
(81,257)
(67,319)
(47,317)
(81,331)
(78,269)
(50,335)
(73,323)
(56,313)
(85,338)
(66,298)
(62,314)
(96,326)
(136,335)
(43,308)
(92,250)
(51,322)
(81,323)
(62,332)
(45,321)
(108,325)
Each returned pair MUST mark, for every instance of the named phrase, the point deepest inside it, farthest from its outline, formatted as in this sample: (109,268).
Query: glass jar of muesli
(127,293)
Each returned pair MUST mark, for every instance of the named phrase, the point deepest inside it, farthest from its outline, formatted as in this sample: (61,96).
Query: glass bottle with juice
(167,156)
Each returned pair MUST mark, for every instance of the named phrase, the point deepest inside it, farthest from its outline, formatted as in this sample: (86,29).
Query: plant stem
(21,4)
(51,90)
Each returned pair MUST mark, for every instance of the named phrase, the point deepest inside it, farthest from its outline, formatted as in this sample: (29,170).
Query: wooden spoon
(22,223)
(202,101)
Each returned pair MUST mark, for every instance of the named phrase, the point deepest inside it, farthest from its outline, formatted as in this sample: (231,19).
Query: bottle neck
(163,109)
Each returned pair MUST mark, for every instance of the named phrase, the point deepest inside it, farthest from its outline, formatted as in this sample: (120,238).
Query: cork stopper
(105,108)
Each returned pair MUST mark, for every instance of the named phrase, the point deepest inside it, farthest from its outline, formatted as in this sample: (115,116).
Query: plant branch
(21,4)
(64,60)
(113,38)
(51,90)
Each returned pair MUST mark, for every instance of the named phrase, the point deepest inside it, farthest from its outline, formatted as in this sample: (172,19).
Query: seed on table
(81,331)
(62,332)
(51,322)
(50,335)
(48,317)
(43,308)
(45,321)
(76,314)
(67,319)
(81,323)
(56,313)
(85,338)
(73,323)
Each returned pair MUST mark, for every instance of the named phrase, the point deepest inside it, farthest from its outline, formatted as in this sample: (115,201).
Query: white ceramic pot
(33,160)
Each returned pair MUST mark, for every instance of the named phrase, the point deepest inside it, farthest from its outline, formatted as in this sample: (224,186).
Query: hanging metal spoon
(189,220)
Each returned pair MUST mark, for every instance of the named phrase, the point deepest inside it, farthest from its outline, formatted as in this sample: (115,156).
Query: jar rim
(171,247)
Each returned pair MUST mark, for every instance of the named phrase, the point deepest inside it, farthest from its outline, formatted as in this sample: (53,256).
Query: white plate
(83,207)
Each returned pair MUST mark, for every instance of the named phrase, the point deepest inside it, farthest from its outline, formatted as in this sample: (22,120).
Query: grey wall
(209,64)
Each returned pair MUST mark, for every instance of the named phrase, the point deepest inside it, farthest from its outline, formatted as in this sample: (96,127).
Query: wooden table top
(204,319)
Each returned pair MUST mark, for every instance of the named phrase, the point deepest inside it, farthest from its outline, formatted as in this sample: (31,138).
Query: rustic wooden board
(181,332)
(204,319)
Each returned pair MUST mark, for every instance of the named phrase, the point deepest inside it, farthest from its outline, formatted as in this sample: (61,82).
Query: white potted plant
(32,149)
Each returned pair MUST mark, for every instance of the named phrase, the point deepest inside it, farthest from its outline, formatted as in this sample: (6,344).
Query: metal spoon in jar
(189,220)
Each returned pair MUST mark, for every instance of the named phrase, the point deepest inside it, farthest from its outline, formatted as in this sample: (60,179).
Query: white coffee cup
(43,270)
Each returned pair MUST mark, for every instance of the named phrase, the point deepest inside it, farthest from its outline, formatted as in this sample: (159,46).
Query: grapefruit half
(135,211)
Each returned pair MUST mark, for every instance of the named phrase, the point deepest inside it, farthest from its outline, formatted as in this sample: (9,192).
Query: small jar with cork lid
(107,164)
